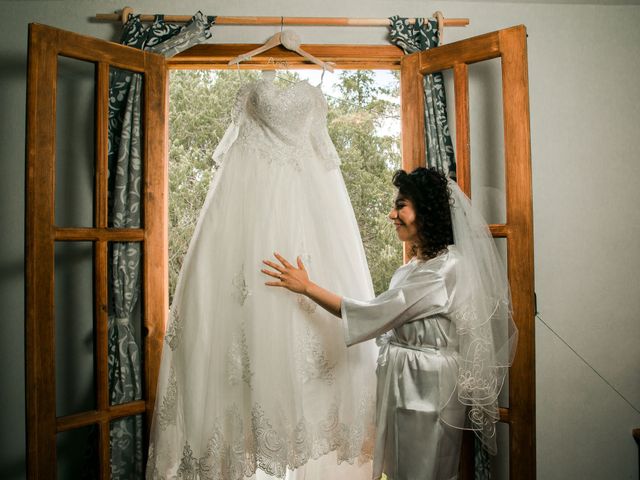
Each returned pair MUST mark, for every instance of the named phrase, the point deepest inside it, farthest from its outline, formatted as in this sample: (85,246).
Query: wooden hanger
(289,40)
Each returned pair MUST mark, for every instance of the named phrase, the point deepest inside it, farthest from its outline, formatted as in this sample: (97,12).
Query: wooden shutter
(510,46)
(46,45)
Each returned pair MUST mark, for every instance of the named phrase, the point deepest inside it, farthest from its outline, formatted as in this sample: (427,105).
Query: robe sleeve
(417,297)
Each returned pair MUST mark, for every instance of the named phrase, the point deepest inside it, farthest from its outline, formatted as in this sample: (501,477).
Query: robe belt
(419,348)
(387,342)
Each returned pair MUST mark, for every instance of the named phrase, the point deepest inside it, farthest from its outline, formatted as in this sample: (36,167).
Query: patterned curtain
(125,191)
(422,35)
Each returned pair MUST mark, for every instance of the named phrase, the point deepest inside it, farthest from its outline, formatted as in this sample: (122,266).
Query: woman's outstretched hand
(288,276)
(297,280)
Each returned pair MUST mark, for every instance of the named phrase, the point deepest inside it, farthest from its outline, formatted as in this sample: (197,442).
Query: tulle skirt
(255,377)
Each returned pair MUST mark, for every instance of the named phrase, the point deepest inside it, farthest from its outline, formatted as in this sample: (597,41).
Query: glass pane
(74,314)
(501,246)
(500,462)
(487,140)
(125,322)
(447,77)
(126,152)
(77,453)
(364,125)
(75,143)
(503,398)
(127,435)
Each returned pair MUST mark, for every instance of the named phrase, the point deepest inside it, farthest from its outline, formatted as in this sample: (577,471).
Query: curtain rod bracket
(126,11)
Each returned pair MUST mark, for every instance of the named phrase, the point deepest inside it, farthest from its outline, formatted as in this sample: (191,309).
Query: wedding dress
(256,381)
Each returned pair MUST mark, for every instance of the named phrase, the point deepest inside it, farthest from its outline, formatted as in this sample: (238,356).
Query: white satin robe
(417,369)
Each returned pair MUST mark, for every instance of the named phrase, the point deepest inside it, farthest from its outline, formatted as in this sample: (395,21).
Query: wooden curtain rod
(299,21)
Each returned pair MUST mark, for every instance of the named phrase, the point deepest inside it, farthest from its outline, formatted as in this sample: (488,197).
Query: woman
(444,326)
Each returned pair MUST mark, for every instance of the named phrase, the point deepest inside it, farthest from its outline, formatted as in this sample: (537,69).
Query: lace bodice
(287,125)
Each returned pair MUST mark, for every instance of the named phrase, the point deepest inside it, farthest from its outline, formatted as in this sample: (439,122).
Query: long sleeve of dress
(231,134)
(323,145)
(423,293)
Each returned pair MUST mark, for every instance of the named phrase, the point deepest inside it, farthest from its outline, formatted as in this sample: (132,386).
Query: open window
(50,50)
(45,232)
(509,46)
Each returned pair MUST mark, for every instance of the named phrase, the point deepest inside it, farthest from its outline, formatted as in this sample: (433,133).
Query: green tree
(370,155)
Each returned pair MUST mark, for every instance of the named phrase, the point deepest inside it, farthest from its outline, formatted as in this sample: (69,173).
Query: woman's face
(403,216)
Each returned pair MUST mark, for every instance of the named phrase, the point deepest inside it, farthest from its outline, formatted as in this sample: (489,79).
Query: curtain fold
(126,94)
(422,35)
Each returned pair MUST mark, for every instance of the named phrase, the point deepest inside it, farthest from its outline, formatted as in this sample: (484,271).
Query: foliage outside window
(361,117)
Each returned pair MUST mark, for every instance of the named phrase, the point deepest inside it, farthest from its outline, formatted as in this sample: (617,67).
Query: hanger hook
(281,24)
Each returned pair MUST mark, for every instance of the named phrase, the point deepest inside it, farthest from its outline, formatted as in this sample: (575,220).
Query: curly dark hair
(428,191)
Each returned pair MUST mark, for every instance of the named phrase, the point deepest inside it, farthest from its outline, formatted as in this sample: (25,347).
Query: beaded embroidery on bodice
(286,126)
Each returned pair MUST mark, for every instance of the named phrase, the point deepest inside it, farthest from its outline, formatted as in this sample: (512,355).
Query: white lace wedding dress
(256,381)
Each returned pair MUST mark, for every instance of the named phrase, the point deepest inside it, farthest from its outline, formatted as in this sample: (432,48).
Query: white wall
(584,89)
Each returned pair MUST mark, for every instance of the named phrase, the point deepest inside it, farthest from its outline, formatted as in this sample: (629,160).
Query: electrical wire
(588,364)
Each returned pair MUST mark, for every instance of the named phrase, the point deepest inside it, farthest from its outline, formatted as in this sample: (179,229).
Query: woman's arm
(297,280)
(421,294)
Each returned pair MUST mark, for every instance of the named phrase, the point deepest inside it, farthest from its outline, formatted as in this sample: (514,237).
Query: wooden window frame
(217,56)
(510,46)
(47,43)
